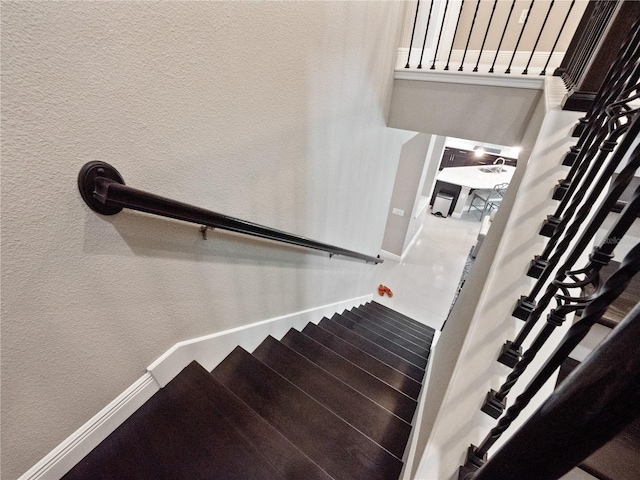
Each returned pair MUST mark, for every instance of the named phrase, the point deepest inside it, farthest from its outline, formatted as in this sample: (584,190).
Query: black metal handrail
(104,191)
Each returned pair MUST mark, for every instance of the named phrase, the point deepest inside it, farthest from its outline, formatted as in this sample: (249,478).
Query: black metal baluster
(535,45)
(611,80)
(623,72)
(435,54)
(597,26)
(604,296)
(475,14)
(619,186)
(515,50)
(587,41)
(455,32)
(426,31)
(589,167)
(486,33)
(506,24)
(564,22)
(527,309)
(413,31)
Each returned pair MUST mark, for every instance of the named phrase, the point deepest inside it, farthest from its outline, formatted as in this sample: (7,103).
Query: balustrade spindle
(435,54)
(426,31)
(473,22)
(622,73)
(524,25)
(455,32)
(504,30)
(555,44)
(413,31)
(598,23)
(486,33)
(535,45)
(604,296)
(588,171)
(556,317)
(511,351)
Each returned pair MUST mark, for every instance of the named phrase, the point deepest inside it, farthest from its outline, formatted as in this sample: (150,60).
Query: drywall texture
(464,360)
(270,111)
(497,115)
(405,190)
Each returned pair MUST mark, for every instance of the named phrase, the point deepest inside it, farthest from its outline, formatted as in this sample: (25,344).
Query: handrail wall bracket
(88,186)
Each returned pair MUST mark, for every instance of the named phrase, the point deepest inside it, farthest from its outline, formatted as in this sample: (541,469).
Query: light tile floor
(425,282)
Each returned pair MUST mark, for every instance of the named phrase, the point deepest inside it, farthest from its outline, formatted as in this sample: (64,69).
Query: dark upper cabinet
(454,157)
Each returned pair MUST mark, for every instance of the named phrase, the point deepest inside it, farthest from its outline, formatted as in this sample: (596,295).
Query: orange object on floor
(381,290)
(388,291)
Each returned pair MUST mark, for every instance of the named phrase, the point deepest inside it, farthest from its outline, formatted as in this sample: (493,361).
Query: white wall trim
(75,447)
(410,453)
(208,350)
(399,258)
(469,78)
(515,79)
(390,256)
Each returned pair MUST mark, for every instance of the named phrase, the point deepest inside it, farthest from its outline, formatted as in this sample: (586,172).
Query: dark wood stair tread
(625,302)
(362,359)
(403,318)
(402,327)
(423,340)
(619,459)
(372,348)
(176,434)
(371,324)
(369,385)
(380,340)
(335,446)
(377,423)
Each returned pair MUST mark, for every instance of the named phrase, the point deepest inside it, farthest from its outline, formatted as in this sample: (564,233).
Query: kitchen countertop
(474,177)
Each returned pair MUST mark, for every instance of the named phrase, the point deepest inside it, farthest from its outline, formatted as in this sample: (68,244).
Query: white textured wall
(465,366)
(462,111)
(273,112)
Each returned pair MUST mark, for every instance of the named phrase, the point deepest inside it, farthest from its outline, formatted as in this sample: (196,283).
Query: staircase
(336,400)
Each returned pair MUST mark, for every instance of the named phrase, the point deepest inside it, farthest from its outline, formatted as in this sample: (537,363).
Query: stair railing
(580,416)
(104,191)
(609,139)
(452,16)
(530,309)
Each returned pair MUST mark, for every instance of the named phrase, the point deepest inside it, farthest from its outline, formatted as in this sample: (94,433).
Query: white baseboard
(208,351)
(399,258)
(410,452)
(66,455)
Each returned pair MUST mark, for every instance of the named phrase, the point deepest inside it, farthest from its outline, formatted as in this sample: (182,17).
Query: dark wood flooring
(335,400)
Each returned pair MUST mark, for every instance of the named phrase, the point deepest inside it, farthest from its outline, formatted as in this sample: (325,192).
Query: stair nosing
(375,359)
(365,372)
(411,365)
(426,360)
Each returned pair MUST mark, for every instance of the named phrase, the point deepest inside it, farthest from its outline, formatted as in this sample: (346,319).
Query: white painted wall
(272,111)
(400,229)
(481,320)
(462,110)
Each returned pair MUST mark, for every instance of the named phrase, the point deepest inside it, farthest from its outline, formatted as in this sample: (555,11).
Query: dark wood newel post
(583,89)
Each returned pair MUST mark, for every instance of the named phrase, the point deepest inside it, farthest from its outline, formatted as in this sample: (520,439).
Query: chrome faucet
(497,161)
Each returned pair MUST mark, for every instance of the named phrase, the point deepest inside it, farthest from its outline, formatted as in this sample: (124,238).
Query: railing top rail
(104,191)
